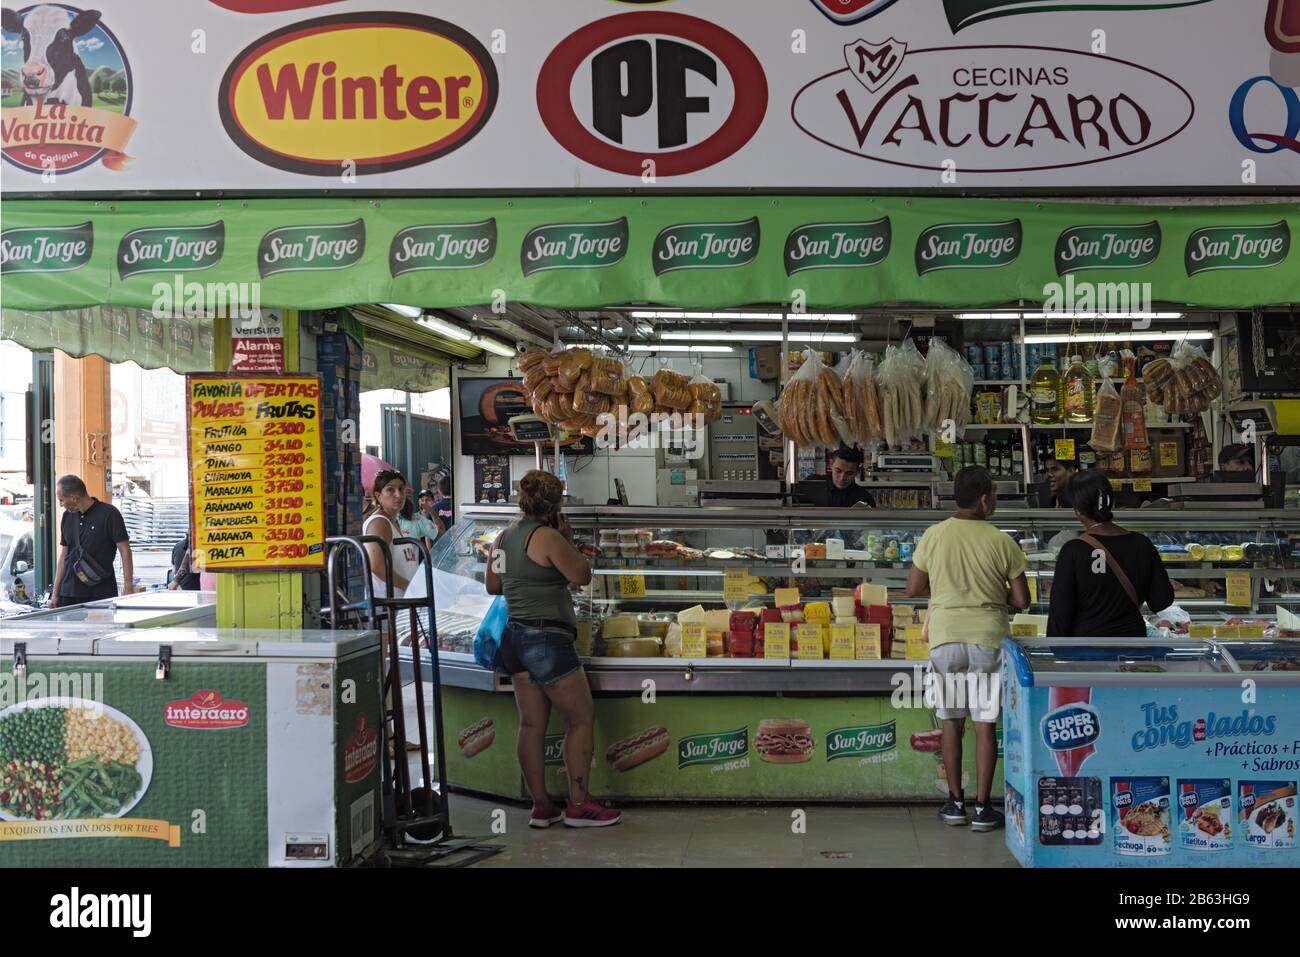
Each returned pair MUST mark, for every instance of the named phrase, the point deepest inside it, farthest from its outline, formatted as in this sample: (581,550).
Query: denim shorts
(547,654)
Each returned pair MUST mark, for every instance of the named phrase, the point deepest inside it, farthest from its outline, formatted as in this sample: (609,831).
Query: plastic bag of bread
(1156,377)
(533,376)
(591,403)
(606,376)
(642,402)
(671,391)
(667,377)
(901,377)
(1107,419)
(707,397)
(637,385)
(570,371)
(551,364)
(949,381)
(564,403)
(811,410)
(542,391)
(530,359)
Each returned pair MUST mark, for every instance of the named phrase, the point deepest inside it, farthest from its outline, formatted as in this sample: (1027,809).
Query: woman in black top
(1088,600)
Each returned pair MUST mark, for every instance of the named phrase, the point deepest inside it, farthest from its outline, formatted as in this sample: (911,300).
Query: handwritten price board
(1238,589)
(631,586)
(255,459)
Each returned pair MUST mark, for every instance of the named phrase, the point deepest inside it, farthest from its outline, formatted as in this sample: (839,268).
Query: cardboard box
(764,362)
(1168,452)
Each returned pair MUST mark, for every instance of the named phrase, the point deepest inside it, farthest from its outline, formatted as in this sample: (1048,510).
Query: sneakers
(987,818)
(590,814)
(544,815)
(954,812)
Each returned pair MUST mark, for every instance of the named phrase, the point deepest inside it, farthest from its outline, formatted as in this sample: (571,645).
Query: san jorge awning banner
(184,257)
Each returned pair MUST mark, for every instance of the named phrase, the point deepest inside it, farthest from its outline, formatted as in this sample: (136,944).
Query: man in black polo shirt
(93,530)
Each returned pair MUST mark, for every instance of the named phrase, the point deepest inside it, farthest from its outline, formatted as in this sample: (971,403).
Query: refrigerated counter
(1121,753)
(172,747)
(150,609)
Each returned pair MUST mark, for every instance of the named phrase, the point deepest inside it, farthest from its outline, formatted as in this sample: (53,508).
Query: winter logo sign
(65,90)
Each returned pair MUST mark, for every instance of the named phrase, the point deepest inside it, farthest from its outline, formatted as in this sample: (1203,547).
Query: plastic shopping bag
(487,640)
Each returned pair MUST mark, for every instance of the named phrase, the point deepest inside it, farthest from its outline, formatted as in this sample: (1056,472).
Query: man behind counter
(839,487)
(1059,473)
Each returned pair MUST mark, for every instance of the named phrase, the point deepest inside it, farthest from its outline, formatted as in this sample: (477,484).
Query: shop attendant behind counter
(839,487)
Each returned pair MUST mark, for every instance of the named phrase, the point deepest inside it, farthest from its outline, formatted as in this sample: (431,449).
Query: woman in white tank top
(388,495)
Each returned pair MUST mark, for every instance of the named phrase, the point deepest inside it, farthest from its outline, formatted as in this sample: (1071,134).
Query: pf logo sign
(665,87)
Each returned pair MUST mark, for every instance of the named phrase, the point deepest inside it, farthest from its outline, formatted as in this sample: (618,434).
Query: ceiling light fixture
(758,336)
(670,348)
(1193,334)
(445,329)
(410,312)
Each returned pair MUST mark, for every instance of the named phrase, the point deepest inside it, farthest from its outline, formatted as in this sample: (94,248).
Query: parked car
(17,560)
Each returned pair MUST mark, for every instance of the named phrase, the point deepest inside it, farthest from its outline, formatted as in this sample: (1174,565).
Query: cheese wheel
(620,626)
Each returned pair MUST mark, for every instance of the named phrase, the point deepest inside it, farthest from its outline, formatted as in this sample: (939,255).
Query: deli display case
(1128,753)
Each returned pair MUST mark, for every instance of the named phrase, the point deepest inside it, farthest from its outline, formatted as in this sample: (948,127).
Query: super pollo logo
(1237,247)
(968,246)
(665,88)
(1070,727)
(311,248)
(67,93)
(1107,247)
(861,741)
(990,109)
(361,752)
(384,90)
(442,246)
(574,246)
(705,246)
(206,711)
(712,748)
(46,248)
(837,245)
(171,249)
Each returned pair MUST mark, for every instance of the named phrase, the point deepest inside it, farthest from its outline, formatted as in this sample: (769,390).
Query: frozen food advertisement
(1151,755)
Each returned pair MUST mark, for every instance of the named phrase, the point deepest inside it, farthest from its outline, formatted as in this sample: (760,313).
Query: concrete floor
(730,836)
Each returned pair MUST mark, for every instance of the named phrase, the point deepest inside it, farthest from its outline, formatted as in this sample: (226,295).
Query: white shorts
(966,681)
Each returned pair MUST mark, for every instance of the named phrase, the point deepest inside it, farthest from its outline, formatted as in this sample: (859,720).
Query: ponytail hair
(1091,495)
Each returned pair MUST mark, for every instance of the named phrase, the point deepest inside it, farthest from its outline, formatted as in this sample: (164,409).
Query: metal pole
(410,464)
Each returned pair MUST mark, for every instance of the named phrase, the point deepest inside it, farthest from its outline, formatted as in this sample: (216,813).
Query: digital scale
(906,462)
(530,428)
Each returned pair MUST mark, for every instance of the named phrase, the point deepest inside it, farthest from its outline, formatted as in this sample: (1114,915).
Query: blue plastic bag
(487,640)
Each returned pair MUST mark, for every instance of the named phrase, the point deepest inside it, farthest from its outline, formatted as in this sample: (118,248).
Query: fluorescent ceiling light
(750,316)
(410,312)
(705,335)
(1121,316)
(988,315)
(1119,337)
(718,349)
(445,329)
(494,346)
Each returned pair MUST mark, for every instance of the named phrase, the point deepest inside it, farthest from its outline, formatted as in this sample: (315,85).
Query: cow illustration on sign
(52,69)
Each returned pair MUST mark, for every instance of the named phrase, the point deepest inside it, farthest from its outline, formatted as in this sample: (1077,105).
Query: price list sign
(257,478)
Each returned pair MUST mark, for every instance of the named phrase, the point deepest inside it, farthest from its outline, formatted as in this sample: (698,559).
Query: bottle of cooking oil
(1078,392)
(1045,393)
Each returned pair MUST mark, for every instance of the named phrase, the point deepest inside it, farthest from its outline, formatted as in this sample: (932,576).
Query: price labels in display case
(810,641)
(776,640)
(695,642)
(735,584)
(842,641)
(1200,629)
(631,585)
(918,649)
(1117,484)
(1250,631)
(1032,581)
(1168,453)
(1065,450)
(1238,589)
(866,643)
(1141,485)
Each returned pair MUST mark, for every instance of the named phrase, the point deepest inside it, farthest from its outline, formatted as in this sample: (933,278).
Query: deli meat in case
(1127,753)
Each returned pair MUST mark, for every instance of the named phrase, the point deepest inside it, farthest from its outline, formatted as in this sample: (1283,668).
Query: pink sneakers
(544,815)
(591,814)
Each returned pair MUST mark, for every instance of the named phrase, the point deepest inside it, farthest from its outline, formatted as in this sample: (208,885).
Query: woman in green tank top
(533,564)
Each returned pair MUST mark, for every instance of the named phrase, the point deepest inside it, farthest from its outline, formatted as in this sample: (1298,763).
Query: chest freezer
(1126,753)
(188,747)
(155,609)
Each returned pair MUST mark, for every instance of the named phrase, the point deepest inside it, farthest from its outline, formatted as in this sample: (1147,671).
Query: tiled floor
(727,836)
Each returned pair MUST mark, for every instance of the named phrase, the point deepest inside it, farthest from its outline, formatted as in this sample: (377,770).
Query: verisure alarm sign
(369,92)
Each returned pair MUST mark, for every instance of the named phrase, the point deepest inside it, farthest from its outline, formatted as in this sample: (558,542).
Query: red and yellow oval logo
(383,90)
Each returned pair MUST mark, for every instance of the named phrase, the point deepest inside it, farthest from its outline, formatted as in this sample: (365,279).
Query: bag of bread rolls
(705,394)
(606,376)
(569,372)
(901,377)
(667,377)
(530,359)
(551,364)
(642,402)
(637,385)
(591,403)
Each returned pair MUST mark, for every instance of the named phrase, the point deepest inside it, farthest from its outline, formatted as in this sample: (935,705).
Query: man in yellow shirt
(964,565)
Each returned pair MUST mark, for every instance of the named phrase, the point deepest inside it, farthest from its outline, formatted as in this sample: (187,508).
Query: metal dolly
(406,809)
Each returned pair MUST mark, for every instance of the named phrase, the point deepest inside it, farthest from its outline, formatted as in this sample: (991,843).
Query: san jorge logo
(989,109)
(712,748)
(1237,247)
(1107,247)
(574,246)
(627,94)
(46,248)
(171,249)
(837,245)
(206,711)
(705,246)
(360,752)
(65,102)
(861,741)
(311,248)
(384,91)
(968,246)
(442,246)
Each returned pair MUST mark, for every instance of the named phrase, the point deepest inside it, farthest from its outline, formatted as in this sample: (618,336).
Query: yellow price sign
(735,584)
(631,586)
(1024,630)
(943,449)
(1141,485)
(1200,629)
(1065,450)
(1117,484)
(843,641)
(1033,588)
(918,649)
(1238,589)
(810,641)
(1168,453)
(1250,631)
(1227,631)
(695,643)
(866,643)
(776,640)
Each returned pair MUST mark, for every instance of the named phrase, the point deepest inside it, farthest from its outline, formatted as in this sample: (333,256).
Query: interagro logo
(206,711)
(630,90)
(361,752)
(66,98)
(989,109)
(385,91)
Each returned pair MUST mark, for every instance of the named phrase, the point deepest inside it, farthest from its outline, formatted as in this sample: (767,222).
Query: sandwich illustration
(784,740)
(638,749)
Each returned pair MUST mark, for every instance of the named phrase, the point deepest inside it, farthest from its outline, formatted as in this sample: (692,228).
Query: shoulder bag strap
(1120,575)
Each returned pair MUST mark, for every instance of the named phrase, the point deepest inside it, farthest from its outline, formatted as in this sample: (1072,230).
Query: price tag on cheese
(866,642)
(1032,581)
(1238,589)
(695,643)
(1168,453)
(776,640)
(631,586)
(943,449)
(1065,450)
(735,584)
(1250,631)
(810,641)
(842,641)
(1024,630)
(1141,485)
(1227,632)
(918,649)
(1200,629)
(786,597)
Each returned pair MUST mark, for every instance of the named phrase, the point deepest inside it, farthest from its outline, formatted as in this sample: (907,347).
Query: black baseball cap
(1236,452)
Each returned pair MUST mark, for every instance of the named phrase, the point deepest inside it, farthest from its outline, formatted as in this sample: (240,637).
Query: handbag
(487,640)
(87,571)
(1113,565)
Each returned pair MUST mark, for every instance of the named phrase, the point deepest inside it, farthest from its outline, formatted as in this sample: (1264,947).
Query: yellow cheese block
(717,620)
(633,648)
(786,597)
(843,607)
(817,612)
(620,626)
(688,615)
(717,645)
